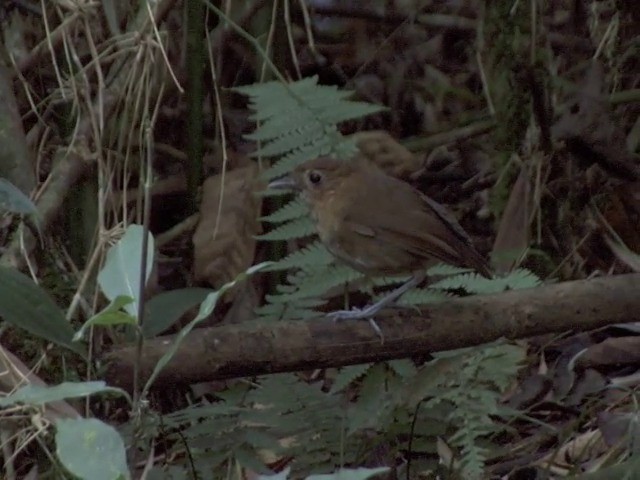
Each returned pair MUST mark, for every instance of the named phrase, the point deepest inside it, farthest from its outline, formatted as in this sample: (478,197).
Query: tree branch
(254,348)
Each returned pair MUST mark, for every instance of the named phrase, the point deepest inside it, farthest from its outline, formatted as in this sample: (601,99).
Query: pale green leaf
(13,200)
(120,275)
(112,315)
(91,449)
(206,308)
(40,395)
(351,474)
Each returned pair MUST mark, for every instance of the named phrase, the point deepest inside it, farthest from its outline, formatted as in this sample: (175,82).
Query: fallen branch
(254,348)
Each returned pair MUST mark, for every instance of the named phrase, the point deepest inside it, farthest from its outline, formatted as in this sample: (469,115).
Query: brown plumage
(379,224)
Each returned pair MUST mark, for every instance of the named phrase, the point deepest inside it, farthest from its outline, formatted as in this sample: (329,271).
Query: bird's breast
(328,215)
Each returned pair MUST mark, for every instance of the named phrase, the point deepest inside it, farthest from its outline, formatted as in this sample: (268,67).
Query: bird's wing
(415,223)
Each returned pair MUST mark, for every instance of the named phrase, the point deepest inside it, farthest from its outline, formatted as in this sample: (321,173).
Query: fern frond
(347,375)
(422,296)
(296,208)
(325,145)
(314,255)
(403,368)
(298,228)
(318,282)
(373,406)
(444,270)
(302,309)
(474,283)
(297,138)
(298,120)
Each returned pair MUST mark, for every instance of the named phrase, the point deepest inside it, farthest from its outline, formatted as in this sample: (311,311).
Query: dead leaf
(224,242)
(382,149)
(512,238)
(610,352)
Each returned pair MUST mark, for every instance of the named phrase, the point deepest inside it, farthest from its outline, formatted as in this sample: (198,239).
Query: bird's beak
(284,183)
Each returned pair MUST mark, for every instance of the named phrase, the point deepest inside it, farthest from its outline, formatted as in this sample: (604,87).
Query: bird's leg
(371,310)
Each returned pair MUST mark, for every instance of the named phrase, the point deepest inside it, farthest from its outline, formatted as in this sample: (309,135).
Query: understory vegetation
(154,292)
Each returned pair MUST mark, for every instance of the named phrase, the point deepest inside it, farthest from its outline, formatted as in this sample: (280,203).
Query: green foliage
(296,208)
(297,121)
(27,306)
(474,283)
(314,255)
(282,414)
(166,308)
(296,228)
(40,395)
(120,275)
(91,449)
(13,200)
(455,396)
(471,391)
(87,447)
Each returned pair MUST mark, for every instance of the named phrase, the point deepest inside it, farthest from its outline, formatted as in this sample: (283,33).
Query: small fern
(314,283)
(297,122)
(469,387)
(474,283)
(294,209)
(303,309)
(314,255)
(348,375)
(298,228)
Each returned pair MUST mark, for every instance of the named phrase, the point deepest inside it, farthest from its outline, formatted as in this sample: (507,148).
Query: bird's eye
(314,177)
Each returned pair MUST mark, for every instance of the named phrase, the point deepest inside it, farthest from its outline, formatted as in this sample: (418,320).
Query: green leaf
(13,200)
(120,275)
(404,368)
(297,121)
(91,449)
(283,475)
(40,395)
(27,306)
(166,308)
(351,474)
(206,308)
(347,375)
(112,315)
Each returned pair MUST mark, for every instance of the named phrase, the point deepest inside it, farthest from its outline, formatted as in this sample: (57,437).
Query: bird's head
(317,178)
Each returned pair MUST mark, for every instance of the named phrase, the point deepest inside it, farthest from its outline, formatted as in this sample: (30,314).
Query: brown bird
(378,224)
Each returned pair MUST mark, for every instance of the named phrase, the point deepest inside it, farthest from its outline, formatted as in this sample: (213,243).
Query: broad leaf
(91,449)
(40,395)
(112,315)
(120,275)
(12,199)
(26,305)
(206,308)
(165,309)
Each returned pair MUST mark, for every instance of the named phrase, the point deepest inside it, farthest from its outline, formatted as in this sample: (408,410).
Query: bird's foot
(353,314)
(359,314)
